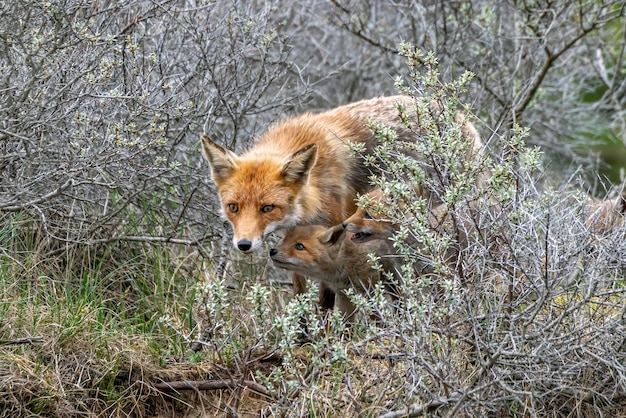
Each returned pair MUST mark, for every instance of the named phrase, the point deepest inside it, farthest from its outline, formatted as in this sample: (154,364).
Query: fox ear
(221,160)
(297,169)
(332,235)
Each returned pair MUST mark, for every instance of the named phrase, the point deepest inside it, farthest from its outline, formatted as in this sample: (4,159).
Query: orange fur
(606,215)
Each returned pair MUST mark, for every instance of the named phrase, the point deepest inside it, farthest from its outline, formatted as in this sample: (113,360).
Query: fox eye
(299,246)
(367,215)
(233,207)
(267,208)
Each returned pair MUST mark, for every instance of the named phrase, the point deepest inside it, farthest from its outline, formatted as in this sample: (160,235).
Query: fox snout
(244,245)
(273,252)
(247,245)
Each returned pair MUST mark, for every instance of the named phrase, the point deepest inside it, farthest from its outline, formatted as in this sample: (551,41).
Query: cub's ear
(297,169)
(221,160)
(332,235)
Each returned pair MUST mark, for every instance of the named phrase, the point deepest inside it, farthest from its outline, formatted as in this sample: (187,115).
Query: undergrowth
(520,313)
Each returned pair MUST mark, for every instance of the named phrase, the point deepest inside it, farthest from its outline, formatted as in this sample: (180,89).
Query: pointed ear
(221,160)
(297,169)
(332,235)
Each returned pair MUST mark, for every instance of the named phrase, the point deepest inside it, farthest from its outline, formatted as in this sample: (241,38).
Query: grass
(105,331)
(79,330)
(94,330)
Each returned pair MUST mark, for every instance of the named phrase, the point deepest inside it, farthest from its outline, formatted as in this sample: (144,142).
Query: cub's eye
(299,246)
(366,215)
(267,208)
(233,208)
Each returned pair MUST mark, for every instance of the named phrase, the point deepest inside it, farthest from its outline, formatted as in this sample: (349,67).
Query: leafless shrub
(534,61)
(103,103)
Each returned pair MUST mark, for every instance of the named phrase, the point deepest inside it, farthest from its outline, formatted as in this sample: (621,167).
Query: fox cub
(606,215)
(331,256)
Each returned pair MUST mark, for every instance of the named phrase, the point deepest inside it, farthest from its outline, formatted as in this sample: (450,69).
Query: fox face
(258,195)
(366,225)
(331,256)
(307,250)
(327,255)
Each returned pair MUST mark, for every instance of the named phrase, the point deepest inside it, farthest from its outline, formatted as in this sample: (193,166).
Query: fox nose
(344,224)
(273,252)
(244,245)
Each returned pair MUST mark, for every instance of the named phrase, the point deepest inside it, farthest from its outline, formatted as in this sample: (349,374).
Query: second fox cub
(465,229)
(330,256)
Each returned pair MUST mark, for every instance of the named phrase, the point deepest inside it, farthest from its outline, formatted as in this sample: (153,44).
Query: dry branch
(25,340)
(211,385)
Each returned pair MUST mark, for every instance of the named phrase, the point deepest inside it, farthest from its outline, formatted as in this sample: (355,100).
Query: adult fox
(302,170)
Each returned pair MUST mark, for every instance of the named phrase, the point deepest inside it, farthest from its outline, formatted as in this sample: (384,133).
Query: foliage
(113,259)
(518,312)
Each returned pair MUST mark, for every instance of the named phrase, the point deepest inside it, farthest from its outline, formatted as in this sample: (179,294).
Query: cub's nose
(244,245)
(273,252)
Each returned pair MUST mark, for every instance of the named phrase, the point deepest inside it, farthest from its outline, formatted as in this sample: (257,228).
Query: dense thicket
(103,102)
(103,186)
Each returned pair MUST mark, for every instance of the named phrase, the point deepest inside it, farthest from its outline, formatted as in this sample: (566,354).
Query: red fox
(607,214)
(303,171)
(367,224)
(330,256)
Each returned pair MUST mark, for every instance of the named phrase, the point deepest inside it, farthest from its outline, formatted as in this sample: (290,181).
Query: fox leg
(298,282)
(345,306)
(326,296)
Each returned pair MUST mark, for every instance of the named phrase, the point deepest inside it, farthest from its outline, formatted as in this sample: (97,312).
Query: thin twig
(211,385)
(418,410)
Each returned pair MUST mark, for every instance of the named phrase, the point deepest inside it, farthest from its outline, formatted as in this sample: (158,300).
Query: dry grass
(535,328)
(66,352)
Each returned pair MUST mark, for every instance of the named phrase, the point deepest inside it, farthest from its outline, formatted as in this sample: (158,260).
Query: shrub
(520,315)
